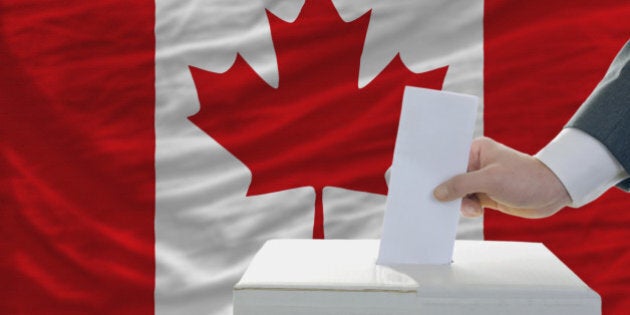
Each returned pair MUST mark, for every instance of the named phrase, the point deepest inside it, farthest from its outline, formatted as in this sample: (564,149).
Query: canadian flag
(149,148)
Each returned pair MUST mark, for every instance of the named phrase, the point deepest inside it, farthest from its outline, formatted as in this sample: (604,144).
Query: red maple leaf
(317,128)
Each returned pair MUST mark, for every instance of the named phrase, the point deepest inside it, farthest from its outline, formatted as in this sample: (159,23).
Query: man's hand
(507,180)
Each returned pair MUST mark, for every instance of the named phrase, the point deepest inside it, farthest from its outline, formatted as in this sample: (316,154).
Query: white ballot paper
(433,143)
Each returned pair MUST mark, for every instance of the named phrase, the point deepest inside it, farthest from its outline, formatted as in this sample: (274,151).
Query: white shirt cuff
(583,164)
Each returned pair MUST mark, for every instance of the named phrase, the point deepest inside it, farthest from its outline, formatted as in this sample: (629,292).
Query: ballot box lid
(486,274)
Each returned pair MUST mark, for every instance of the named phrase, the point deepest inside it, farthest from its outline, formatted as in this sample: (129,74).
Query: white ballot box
(341,277)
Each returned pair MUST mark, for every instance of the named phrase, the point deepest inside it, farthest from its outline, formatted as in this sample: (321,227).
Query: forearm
(605,115)
(592,153)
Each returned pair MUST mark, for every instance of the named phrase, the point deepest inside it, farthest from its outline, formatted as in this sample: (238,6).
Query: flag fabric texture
(149,148)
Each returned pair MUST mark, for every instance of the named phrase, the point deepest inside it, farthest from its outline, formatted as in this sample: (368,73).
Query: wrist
(559,196)
(582,164)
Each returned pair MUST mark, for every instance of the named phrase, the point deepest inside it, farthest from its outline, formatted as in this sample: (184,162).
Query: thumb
(461,185)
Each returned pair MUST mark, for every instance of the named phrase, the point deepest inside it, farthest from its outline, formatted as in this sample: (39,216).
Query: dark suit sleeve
(605,114)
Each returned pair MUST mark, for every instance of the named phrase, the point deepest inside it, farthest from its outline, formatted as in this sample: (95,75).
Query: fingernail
(441,192)
(470,212)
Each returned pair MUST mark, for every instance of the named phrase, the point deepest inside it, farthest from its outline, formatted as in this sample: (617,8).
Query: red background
(542,59)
